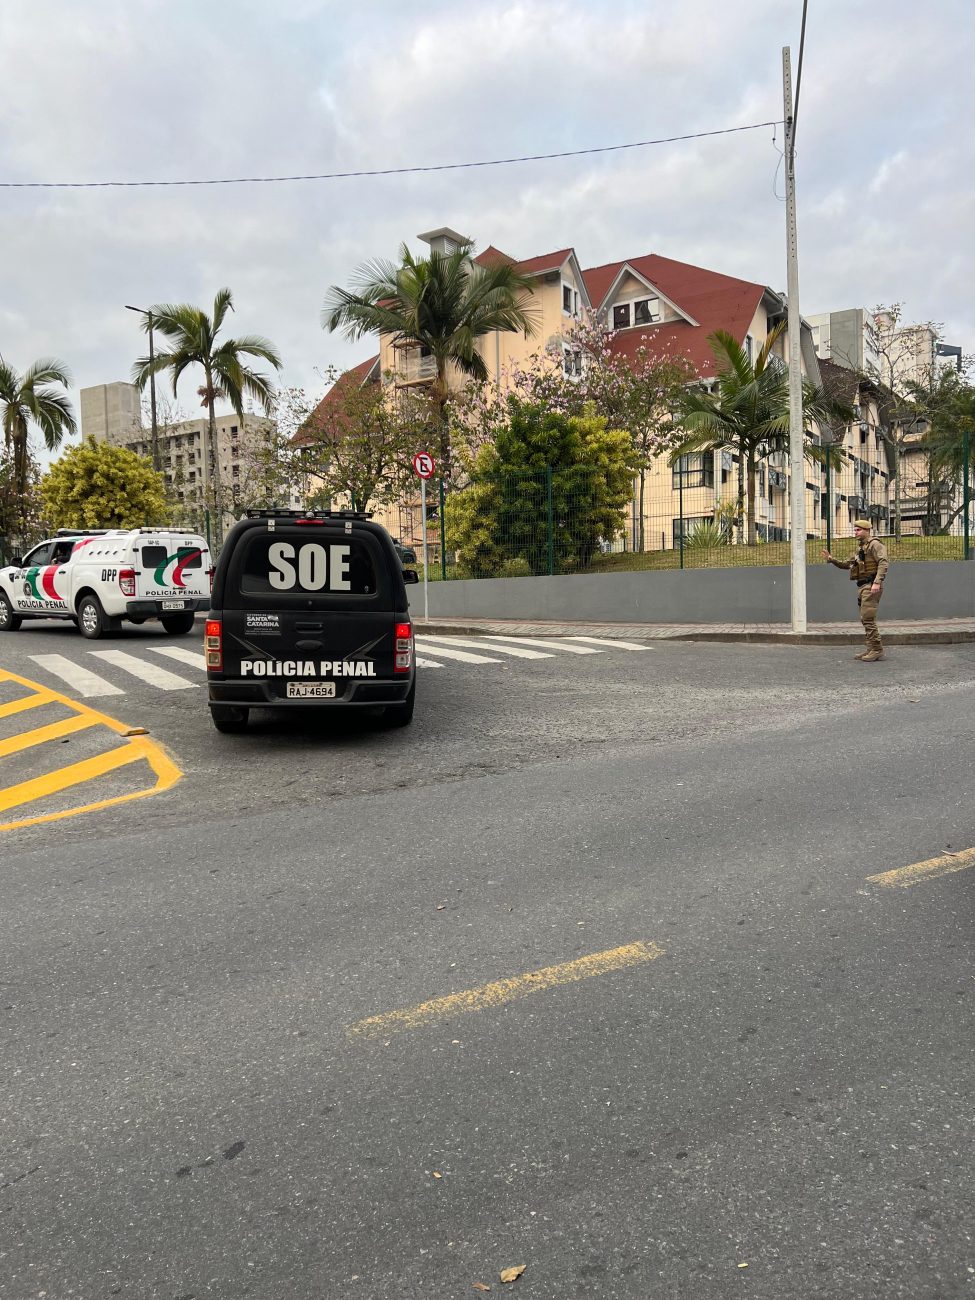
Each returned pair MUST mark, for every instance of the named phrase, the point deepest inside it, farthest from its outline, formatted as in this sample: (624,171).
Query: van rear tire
(228,720)
(178,624)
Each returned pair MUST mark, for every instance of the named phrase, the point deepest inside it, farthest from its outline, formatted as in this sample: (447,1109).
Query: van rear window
(276,566)
(190,557)
(153,556)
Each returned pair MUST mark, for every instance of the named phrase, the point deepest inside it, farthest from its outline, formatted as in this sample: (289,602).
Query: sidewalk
(894,631)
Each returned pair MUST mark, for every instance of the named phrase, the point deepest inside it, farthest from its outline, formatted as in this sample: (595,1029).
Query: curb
(853,637)
(945,636)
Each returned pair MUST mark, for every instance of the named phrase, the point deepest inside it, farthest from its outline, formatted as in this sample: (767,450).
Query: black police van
(309,608)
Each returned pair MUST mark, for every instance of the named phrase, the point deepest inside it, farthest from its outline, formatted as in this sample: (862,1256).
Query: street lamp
(152,385)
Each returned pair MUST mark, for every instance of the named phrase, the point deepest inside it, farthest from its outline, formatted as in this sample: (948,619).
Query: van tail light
(126,580)
(403,648)
(213,644)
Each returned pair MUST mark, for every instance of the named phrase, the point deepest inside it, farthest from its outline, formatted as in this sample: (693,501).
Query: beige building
(668,306)
(112,413)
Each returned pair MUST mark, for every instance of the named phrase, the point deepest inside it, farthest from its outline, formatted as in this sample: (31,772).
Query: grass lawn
(908,549)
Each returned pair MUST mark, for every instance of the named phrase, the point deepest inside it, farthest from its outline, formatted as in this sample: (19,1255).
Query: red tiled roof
(330,405)
(492,256)
(715,301)
(547,262)
(532,266)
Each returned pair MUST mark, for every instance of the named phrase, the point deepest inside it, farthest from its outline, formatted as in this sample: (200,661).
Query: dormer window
(570,300)
(645,311)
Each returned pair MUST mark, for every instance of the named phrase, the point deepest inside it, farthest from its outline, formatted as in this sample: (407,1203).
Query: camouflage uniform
(867,566)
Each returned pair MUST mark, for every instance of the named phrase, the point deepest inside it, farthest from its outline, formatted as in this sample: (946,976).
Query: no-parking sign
(424,464)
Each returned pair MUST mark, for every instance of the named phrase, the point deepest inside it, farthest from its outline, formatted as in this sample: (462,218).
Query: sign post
(424,465)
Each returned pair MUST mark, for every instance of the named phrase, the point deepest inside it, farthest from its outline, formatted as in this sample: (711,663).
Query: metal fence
(686,515)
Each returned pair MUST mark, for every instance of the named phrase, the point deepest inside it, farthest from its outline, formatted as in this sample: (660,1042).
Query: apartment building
(112,413)
(669,306)
(849,338)
(858,481)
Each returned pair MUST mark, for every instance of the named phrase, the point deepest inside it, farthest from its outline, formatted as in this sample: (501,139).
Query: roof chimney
(444,240)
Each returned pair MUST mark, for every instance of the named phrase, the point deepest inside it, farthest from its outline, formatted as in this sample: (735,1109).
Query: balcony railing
(415,370)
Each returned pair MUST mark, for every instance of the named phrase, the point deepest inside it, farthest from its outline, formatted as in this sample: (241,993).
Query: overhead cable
(384,171)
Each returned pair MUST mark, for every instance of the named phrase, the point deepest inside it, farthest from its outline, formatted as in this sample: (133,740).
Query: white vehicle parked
(99,578)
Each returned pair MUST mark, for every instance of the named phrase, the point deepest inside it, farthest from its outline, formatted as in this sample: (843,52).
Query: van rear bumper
(250,694)
(154,608)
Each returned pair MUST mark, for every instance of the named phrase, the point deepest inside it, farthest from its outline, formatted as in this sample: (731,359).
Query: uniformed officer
(868,569)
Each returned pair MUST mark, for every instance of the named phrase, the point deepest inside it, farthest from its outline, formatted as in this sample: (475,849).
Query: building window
(749,348)
(233,428)
(688,524)
(571,362)
(567,298)
(697,470)
(621,316)
(646,311)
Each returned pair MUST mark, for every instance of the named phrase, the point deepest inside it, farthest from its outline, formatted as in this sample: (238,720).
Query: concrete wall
(929,590)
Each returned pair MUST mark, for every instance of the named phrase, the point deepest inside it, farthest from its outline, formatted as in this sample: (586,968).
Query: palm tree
(749,412)
(33,396)
(193,336)
(443,304)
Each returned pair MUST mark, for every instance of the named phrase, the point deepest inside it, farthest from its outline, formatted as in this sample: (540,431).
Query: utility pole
(797,465)
(156,463)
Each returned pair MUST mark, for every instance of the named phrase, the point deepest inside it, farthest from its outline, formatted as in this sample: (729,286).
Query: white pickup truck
(100,578)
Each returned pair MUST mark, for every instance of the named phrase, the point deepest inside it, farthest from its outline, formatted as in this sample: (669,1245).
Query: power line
(802,46)
(385,171)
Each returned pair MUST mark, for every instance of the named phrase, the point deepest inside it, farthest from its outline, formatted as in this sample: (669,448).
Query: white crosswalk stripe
(517,652)
(192,657)
(448,652)
(432,652)
(609,641)
(549,643)
(152,674)
(81,681)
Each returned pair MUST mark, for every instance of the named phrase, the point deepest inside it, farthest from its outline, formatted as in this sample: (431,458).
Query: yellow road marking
(26,701)
(905,877)
(74,774)
(135,749)
(53,731)
(508,990)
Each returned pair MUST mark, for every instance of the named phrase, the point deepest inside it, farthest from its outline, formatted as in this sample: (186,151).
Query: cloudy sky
(128,90)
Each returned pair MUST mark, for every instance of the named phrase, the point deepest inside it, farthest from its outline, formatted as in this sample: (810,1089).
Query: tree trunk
(439,395)
(214,453)
(752,533)
(643,493)
(740,520)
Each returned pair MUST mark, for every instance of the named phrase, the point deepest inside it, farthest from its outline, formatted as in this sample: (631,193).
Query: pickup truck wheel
(228,720)
(9,621)
(401,715)
(93,622)
(179,624)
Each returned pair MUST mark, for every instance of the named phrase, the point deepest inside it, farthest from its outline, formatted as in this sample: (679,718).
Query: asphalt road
(207,1089)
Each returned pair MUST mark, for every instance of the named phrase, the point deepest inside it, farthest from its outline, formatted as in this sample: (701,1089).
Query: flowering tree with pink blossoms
(582,375)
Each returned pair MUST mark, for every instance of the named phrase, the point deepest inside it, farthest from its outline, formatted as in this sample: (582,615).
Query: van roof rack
(82,532)
(276,513)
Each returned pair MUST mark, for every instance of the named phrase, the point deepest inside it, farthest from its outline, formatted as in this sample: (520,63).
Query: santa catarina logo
(181,560)
(44,578)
